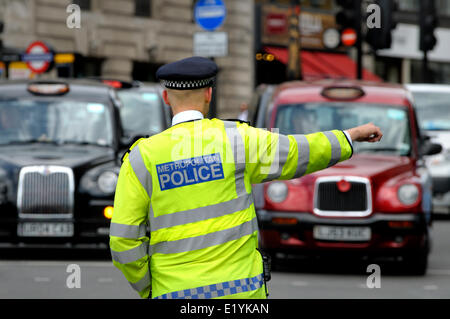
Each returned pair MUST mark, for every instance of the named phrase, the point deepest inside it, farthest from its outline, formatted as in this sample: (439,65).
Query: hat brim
(188,84)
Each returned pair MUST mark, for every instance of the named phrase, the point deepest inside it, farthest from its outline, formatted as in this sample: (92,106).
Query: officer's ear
(208,94)
(166,97)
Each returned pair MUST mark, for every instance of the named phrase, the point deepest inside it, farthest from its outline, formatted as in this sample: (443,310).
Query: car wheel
(416,262)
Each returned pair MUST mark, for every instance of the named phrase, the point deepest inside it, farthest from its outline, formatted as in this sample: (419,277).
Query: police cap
(188,74)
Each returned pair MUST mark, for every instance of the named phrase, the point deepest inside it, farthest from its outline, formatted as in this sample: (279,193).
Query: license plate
(342,233)
(30,229)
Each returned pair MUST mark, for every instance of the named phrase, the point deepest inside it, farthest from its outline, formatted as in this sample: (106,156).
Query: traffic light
(1,31)
(380,36)
(347,17)
(428,22)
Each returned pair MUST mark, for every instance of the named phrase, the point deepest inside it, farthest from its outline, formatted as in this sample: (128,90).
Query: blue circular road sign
(210,14)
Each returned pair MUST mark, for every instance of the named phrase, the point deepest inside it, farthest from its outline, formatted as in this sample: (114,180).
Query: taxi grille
(330,201)
(45,191)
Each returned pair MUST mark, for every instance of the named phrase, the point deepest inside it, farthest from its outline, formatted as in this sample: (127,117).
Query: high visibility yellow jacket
(191,187)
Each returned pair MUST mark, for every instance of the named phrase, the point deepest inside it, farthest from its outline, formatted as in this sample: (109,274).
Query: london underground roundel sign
(38,57)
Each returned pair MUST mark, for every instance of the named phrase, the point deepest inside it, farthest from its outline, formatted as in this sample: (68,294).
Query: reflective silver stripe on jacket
(128,256)
(238,147)
(303,155)
(202,213)
(141,171)
(204,241)
(143,283)
(335,148)
(281,156)
(127,231)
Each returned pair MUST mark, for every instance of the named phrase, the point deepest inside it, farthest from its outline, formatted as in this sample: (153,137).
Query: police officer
(192,185)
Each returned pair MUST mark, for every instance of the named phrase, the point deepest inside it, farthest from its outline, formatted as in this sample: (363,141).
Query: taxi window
(55,120)
(315,117)
(433,110)
(141,112)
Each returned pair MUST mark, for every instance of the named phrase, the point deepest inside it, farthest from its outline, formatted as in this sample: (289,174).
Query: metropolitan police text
(190,171)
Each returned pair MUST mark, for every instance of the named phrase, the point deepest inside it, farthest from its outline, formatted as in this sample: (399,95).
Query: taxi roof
(374,92)
(10,88)
(427,87)
(70,82)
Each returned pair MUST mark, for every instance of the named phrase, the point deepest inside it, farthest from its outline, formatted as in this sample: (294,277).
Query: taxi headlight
(107,182)
(277,192)
(408,194)
(100,181)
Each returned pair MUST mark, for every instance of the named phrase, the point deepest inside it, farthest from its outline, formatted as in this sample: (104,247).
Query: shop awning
(323,65)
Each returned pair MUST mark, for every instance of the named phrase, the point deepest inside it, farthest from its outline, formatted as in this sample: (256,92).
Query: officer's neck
(186,116)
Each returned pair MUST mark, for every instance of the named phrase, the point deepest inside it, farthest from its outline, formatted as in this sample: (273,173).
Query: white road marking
(440,272)
(299,283)
(41,279)
(56,263)
(430,287)
(103,280)
(363,286)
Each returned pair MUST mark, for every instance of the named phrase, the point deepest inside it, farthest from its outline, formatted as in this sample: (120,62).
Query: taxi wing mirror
(127,141)
(429,148)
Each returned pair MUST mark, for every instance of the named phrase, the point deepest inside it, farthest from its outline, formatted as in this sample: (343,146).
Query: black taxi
(60,149)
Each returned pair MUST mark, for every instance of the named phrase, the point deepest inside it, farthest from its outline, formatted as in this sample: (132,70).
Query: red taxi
(378,203)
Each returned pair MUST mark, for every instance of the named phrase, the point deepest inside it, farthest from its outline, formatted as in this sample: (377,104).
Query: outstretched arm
(275,156)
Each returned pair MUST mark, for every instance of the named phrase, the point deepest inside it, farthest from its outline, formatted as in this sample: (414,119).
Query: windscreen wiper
(437,129)
(30,141)
(379,149)
(81,143)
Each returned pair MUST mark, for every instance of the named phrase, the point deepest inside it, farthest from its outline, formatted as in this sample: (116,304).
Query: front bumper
(441,184)
(85,231)
(88,224)
(299,238)
(441,202)
(440,176)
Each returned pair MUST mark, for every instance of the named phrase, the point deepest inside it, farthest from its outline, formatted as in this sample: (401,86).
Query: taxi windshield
(315,117)
(141,112)
(433,110)
(55,121)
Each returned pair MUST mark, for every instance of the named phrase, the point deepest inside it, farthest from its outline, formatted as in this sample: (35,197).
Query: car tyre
(416,262)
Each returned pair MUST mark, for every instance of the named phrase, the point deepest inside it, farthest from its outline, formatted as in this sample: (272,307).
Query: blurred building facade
(403,61)
(322,54)
(130,39)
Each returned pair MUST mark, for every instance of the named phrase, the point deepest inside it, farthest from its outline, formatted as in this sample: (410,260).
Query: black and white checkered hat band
(187,85)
